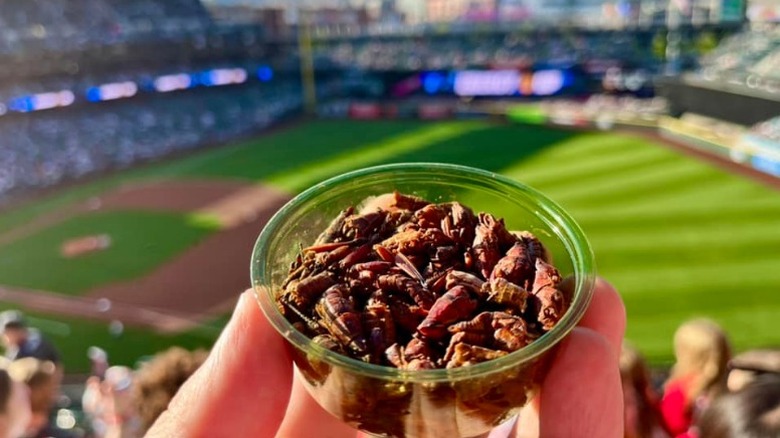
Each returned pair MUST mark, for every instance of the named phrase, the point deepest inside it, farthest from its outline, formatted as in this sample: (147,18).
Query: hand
(246,388)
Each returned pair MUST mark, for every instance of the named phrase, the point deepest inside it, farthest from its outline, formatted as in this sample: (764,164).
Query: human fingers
(243,387)
(582,394)
(306,418)
(606,314)
(585,373)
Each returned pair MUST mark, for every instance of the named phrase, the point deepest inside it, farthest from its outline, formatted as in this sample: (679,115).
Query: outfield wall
(719,100)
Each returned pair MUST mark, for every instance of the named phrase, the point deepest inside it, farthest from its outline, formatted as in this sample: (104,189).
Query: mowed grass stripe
(302,177)
(287,149)
(722,187)
(486,149)
(583,150)
(647,282)
(663,256)
(575,147)
(684,221)
(619,186)
(705,210)
(694,189)
(701,299)
(590,169)
(691,237)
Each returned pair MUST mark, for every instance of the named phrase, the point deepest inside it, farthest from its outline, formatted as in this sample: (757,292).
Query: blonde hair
(702,353)
(158,380)
(40,376)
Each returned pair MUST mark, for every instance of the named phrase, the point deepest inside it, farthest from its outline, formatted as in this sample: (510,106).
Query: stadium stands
(750,58)
(78,24)
(605,111)
(761,146)
(769,129)
(46,148)
(492,50)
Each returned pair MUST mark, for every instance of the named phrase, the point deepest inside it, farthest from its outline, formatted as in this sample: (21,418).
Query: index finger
(606,314)
(243,387)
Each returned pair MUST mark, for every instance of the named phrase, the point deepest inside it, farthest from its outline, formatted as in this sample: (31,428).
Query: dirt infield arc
(197,284)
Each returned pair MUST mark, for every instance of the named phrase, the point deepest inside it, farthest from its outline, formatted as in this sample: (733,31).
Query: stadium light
(174,82)
(220,76)
(432,82)
(265,73)
(112,91)
(42,101)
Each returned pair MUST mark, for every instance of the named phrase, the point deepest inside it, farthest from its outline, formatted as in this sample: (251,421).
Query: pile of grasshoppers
(418,285)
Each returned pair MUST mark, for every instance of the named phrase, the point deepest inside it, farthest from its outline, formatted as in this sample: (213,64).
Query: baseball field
(679,236)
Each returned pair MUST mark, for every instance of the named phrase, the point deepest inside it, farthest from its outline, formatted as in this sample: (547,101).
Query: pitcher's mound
(85,245)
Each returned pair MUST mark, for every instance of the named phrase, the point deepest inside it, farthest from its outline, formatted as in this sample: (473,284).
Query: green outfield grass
(680,238)
(140,241)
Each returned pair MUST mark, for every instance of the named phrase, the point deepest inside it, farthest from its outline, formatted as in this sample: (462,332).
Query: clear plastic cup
(384,401)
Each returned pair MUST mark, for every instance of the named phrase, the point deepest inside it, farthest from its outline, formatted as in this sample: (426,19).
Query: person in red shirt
(702,353)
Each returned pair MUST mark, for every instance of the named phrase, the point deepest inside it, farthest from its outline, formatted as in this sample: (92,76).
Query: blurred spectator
(750,365)
(21,341)
(41,378)
(768,129)
(605,110)
(158,380)
(107,403)
(640,402)
(751,412)
(98,359)
(14,407)
(702,353)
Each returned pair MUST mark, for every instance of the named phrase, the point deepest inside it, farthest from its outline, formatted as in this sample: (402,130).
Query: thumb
(243,387)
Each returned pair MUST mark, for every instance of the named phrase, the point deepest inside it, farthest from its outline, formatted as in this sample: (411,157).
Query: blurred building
(763,11)
(696,12)
(389,14)
(438,11)
(271,19)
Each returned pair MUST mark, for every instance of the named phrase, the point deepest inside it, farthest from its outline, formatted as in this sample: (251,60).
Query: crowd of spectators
(77,24)
(118,401)
(768,129)
(125,402)
(750,58)
(604,111)
(508,50)
(45,148)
